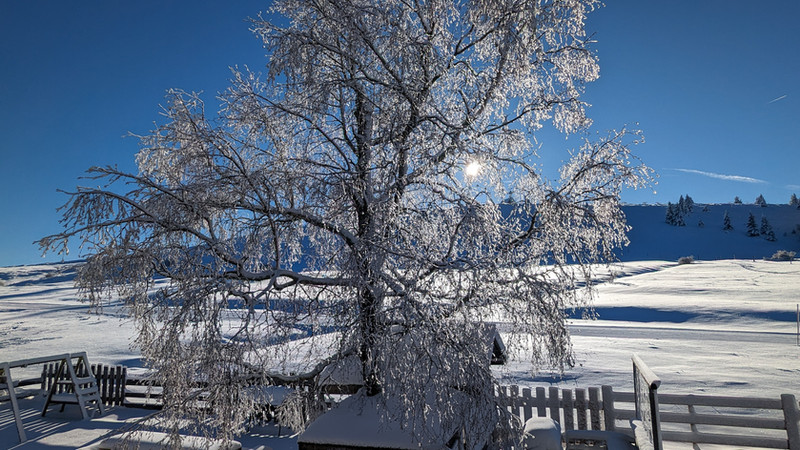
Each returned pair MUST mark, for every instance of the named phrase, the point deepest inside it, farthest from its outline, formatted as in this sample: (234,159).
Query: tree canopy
(325,213)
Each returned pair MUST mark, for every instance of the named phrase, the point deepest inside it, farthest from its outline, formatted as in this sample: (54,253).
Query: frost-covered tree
(760,201)
(737,200)
(329,200)
(726,222)
(752,228)
(793,201)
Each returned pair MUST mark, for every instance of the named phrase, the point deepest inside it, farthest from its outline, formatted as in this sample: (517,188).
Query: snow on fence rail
(698,419)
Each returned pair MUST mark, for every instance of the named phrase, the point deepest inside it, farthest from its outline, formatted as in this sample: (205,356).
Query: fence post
(527,408)
(45,387)
(507,401)
(122,380)
(609,415)
(792,417)
(692,425)
(555,406)
(108,385)
(569,419)
(594,407)
(513,395)
(580,406)
(541,403)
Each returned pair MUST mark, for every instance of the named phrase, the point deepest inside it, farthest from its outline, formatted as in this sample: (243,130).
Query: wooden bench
(111,380)
(84,389)
(79,387)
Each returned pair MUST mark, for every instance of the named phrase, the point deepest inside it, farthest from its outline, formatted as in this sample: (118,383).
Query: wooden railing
(579,409)
(646,423)
(698,419)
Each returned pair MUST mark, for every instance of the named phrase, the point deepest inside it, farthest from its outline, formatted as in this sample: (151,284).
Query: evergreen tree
(689,203)
(766,230)
(771,236)
(670,216)
(726,222)
(764,225)
(737,200)
(760,201)
(793,201)
(752,228)
(701,224)
(682,205)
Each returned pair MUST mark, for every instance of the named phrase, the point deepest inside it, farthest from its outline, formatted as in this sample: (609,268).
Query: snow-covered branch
(325,213)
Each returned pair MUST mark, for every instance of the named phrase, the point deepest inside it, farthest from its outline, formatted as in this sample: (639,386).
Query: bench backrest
(646,424)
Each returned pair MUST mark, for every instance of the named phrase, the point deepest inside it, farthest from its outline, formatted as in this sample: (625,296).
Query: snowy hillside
(653,239)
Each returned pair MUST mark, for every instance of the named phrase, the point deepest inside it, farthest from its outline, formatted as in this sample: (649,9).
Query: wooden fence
(578,409)
(697,419)
(111,381)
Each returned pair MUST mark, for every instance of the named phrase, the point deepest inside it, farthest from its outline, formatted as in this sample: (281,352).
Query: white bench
(84,389)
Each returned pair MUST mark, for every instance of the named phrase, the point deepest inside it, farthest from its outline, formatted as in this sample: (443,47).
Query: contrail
(777,99)
(722,176)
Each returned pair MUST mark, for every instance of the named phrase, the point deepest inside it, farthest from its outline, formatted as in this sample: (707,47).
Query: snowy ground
(721,327)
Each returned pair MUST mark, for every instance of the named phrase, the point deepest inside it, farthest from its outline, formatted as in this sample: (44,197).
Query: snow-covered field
(723,327)
(717,327)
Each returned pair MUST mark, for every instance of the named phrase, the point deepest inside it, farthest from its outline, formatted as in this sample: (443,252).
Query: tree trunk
(369,335)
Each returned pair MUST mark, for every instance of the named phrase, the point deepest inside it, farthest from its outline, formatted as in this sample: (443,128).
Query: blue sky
(713,84)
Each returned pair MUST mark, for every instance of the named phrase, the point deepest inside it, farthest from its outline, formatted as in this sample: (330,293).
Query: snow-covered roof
(363,413)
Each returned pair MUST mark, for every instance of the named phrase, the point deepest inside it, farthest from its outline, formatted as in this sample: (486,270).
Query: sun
(473,169)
